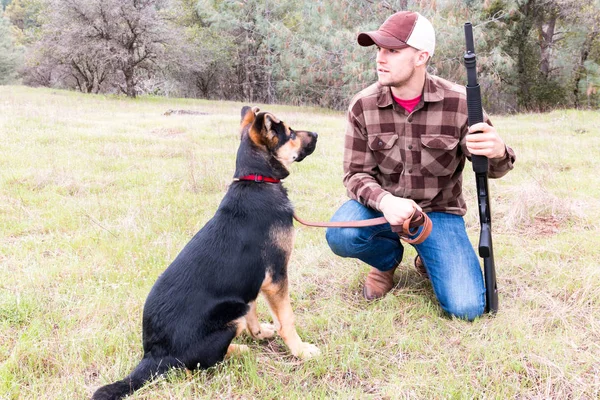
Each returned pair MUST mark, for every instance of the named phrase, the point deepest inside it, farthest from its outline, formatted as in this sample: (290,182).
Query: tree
(9,54)
(532,54)
(25,16)
(111,43)
(542,40)
(253,30)
(586,76)
(206,56)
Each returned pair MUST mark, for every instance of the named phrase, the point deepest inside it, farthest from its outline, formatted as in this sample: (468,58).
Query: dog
(207,296)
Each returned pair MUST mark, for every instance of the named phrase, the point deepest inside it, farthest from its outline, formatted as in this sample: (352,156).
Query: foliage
(541,39)
(532,54)
(9,53)
(205,55)
(103,45)
(26,16)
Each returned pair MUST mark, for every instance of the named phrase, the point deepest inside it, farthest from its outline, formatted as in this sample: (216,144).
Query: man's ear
(423,58)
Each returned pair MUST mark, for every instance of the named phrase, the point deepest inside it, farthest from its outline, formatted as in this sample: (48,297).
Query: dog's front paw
(307,350)
(234,349)
(266,331)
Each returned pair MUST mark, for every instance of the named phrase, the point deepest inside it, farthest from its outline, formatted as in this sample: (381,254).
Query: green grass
(99,193)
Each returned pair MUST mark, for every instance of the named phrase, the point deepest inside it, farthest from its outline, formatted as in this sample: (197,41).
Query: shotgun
(480,166)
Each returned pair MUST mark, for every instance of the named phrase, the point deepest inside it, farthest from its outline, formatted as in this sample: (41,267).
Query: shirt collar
(432,92)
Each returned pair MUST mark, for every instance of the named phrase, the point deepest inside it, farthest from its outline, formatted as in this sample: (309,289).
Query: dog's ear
(248,117)
(245,110)
(262,130)
(249,114)
(270,119)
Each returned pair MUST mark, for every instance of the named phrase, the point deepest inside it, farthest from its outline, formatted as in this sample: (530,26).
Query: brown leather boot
(378,283)
(420,267)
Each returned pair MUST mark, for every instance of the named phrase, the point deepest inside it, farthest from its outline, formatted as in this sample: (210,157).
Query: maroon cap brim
(381,39)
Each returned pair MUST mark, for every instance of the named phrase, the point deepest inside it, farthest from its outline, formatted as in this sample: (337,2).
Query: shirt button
(380,143)
(410,146)
(410,171)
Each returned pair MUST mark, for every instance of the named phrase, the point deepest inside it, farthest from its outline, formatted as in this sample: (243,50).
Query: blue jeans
(450,261)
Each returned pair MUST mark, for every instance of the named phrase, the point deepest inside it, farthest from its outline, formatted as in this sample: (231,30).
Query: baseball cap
(403,29)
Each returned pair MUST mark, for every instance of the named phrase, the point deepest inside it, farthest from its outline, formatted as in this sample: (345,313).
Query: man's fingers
(479,152)
(479,127)
(415,205)
(397,210)
(481,145)
(480,137)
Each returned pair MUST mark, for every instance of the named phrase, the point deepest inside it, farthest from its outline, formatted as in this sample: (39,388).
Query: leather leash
(406,231)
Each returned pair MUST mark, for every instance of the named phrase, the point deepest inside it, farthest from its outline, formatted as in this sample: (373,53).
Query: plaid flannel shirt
(418,155)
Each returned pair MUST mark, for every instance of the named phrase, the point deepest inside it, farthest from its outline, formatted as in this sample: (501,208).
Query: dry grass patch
(534,210)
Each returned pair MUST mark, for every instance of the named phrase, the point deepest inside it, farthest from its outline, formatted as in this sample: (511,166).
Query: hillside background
(533,55)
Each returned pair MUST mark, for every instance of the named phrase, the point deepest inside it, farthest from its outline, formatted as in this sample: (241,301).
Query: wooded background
(533,55)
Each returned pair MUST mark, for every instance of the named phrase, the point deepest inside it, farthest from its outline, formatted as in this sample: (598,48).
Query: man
(406,143)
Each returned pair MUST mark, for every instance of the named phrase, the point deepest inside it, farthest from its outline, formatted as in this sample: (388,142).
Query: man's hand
(487,143)
(396,209)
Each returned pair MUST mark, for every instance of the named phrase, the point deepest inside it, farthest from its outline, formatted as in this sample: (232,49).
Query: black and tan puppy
(206,297)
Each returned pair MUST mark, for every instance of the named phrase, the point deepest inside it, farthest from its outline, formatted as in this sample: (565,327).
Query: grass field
(98,194)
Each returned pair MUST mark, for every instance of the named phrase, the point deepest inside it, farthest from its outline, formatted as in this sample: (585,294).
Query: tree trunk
(546,39)
(523,77)
(580,67)
(129,83)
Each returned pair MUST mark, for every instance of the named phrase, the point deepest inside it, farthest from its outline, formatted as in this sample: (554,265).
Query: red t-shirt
(408,105)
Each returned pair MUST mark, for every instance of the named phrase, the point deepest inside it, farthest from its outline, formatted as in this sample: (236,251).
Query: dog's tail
(148,369)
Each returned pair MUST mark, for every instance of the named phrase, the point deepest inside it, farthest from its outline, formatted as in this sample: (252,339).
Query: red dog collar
(257,178)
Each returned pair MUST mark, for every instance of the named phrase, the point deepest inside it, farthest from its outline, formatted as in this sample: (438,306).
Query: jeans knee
(342,241)
(334,241)
(466,310)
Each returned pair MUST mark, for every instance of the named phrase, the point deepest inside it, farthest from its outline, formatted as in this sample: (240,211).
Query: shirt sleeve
(497,167)
(360,167)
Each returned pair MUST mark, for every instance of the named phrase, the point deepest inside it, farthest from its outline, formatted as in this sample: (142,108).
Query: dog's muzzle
(309,143)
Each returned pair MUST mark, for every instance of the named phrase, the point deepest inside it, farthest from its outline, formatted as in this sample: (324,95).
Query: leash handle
(411,225)
(409,228)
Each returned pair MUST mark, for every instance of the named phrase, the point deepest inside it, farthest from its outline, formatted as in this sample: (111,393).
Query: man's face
(396,67)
